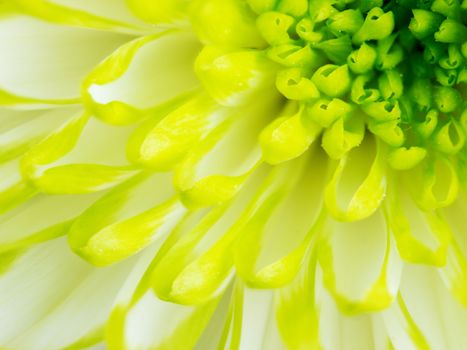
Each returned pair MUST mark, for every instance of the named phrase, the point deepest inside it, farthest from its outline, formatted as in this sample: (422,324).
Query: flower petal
(85,155)
(249,319)
(297,311)
(198,265)
(286,211)
(20,130)
(236,28)
(343,332)
(164,11)
(126,220)
(44,63)
(360,264)
(235,78)
(214,171)
(89,302)
(421,236)
(288,136)
(358,184)
(148,75)
(13,189)
(105,14)
(425,316)
(40,219)
(28,279)
(454,274)
(161,144)
(434,183)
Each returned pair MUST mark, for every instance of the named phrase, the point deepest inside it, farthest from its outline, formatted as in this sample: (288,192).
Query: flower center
(398,67)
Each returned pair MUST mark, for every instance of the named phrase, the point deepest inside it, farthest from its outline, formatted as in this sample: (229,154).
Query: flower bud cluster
(395,68)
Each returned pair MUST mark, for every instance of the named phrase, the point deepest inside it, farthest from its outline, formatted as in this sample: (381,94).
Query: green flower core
(395,68)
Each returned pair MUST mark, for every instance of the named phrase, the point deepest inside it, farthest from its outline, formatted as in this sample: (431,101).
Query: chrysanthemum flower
(233,174)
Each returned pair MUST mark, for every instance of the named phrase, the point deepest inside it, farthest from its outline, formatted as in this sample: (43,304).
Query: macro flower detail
(233,174)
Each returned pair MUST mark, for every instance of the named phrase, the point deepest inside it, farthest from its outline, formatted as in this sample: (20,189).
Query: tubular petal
(354,193)
(360,264)
(34,52)
(275,236)
(206,177)
(55,165)
(122,90)
(161,144)
(125,220)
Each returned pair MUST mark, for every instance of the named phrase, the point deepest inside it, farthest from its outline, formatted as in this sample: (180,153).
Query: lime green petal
(164,11)
(326,111)
(450,138)
(292,83)
(235,28)
(40,219)
(13,189)
(332,80)
(405,158)
(69,160)
(127,85)
(10,100)
(342,136)
(137,312)
(214,171)
(266,255)
(321,10)
(20,130)
(235,77)
(161,144)
(288,136)
(126,220)
(197,266)
(421,236)
(434,183)
(361,267)
(275,26)
(34,52)
(103,16)
(455,272)
(130,292)
(250,320)
(297,311)
(358,185)
(15,194)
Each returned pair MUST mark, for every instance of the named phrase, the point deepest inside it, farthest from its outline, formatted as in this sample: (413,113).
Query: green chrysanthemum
(233,174)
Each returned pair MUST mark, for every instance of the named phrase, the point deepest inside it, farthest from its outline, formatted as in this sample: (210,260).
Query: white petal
(85,155)
(46,61)
(78,318)
(19,130)
(360,263)
(216,168)
(249,321)
(426,315)
(34,284)
(198,266)
(41,218)
(274,240)
(341,332)
(147,74)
